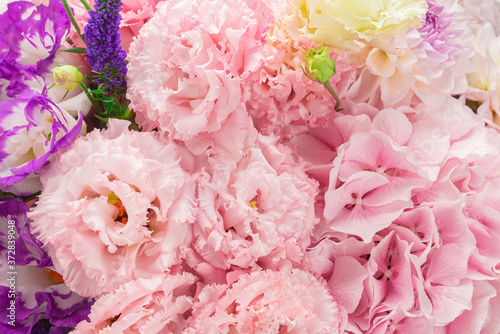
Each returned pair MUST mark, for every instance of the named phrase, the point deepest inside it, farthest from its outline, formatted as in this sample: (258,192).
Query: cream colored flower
(339,23)
(67,77)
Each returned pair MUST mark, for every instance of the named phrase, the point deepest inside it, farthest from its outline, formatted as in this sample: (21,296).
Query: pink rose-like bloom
(114,207)
(256,211)
(157,304)
(284,101)
(187,65)
(267,302)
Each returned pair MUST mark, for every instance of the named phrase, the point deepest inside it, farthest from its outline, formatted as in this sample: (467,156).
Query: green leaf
(104,119)
(97,92)
(75,50)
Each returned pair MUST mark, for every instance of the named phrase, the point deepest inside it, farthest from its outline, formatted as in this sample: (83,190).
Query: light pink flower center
(392,327)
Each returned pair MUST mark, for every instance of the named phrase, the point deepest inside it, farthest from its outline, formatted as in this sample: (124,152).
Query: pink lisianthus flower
(258,211)
(267,302)
(281,99)
(134,13)
(187,67)
(114,207)
(158,304)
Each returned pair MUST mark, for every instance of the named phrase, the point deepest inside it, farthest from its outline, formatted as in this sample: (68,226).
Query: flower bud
(67,77)
(319,67)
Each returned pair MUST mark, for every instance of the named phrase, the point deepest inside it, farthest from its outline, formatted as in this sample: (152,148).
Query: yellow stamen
(113,199)
(253,203)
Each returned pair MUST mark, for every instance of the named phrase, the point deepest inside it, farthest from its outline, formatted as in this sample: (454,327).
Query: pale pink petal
(346,283)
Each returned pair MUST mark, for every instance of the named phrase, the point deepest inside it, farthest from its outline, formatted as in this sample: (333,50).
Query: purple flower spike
(32,34)
(32,128)
(37,292)
(104,51)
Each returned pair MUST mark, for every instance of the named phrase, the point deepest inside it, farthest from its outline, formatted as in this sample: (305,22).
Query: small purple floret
(104,51)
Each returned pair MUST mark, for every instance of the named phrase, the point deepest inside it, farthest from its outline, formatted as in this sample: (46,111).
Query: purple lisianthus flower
(31,44)
(31,286)
(32,128)
(32,34)
(13,81)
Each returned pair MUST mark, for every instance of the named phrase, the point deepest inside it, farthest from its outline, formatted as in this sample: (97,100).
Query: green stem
(91,99)
(72,19)
(334,94)
(86,4)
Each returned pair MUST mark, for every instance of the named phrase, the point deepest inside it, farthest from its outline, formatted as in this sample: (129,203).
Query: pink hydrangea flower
(114,207)
(267,302)
(158,304)
(473,320)
(400,321)
(343,263)
(444,289)
(483,220)
(258,211)
(187,65)
(492,325)
(418,228)
(371,184)
(390,269)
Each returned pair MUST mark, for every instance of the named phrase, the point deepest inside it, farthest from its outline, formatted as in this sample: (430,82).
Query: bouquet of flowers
(250,166)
